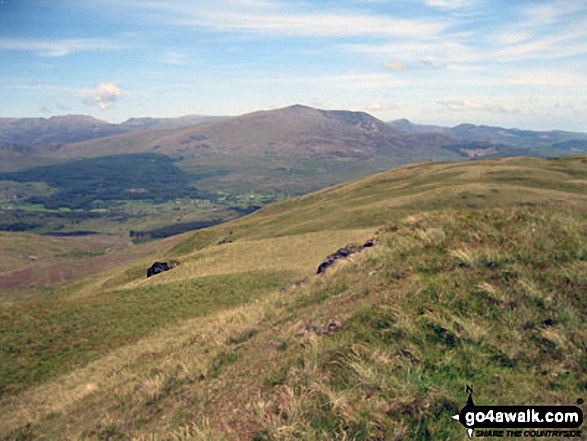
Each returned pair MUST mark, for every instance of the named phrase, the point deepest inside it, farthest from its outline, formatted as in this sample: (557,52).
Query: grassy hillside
(477,278)
(39,267)
(389,196)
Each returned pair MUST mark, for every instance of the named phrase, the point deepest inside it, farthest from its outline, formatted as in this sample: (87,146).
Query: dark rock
(334,325)
(369,243)
(323,266)
(326,263)
(157,267)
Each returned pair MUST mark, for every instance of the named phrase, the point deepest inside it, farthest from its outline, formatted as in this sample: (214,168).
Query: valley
(152,178)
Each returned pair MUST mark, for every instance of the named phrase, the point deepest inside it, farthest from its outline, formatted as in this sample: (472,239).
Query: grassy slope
(448,298)
(389,196)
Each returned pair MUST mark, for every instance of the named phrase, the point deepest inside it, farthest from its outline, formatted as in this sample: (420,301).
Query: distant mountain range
(512,137)
(59,130)
(297,129)
(293,150)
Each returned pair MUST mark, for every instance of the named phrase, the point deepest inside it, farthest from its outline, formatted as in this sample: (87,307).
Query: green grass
(45,338)
(389,196)
(489,298)
(477,278)
(492,298)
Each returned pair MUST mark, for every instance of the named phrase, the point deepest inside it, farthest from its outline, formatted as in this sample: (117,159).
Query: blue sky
(510,63)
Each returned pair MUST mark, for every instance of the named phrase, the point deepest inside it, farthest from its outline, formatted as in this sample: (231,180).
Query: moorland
(477,277)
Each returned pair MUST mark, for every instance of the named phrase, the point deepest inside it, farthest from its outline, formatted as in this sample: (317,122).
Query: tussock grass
(452,294)
(415,332)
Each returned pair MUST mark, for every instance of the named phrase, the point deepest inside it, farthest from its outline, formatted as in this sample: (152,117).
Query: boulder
(324,265)
(157,267)
(369,243)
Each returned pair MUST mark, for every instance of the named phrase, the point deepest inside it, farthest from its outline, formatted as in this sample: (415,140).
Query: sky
(509,63)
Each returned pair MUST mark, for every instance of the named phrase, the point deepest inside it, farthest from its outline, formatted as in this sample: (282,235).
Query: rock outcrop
(157,267)
(343,253)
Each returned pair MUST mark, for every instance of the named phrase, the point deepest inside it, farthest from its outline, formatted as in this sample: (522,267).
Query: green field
(477,277)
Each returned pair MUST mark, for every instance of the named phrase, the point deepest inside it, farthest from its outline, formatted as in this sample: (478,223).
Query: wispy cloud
(467,105)
(348,81)
(550,30)
(60,48)
(270,18)
(378,106)
(433,50)
(450,4)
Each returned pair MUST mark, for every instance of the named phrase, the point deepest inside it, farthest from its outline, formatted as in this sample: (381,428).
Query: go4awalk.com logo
(520,421)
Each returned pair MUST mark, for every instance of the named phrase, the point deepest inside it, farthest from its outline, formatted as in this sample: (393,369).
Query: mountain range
(58,130)
(241,162)
(512,137)
(295,130)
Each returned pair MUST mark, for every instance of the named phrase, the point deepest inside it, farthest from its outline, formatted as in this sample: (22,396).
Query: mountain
(476,278)
(56,130)
(295,130)
(59,130)
(293,150)
(524,139)
(152,123)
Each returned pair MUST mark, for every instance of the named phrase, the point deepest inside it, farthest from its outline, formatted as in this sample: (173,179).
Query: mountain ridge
(290,130)
(514,137)
(56,131)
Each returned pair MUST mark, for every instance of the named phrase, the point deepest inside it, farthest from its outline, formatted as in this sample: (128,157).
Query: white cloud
(436,51)
(466,105)
(549,30)
(394,65)
(105,95)
(60,48)
(348,81)
(430,64)
(449,4)
(461,105)
(379,107)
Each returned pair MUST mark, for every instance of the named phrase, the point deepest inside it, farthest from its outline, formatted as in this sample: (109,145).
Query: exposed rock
(334,325)
(343,253)
(321,330)
(157,267)
(324,265)
(369,243)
